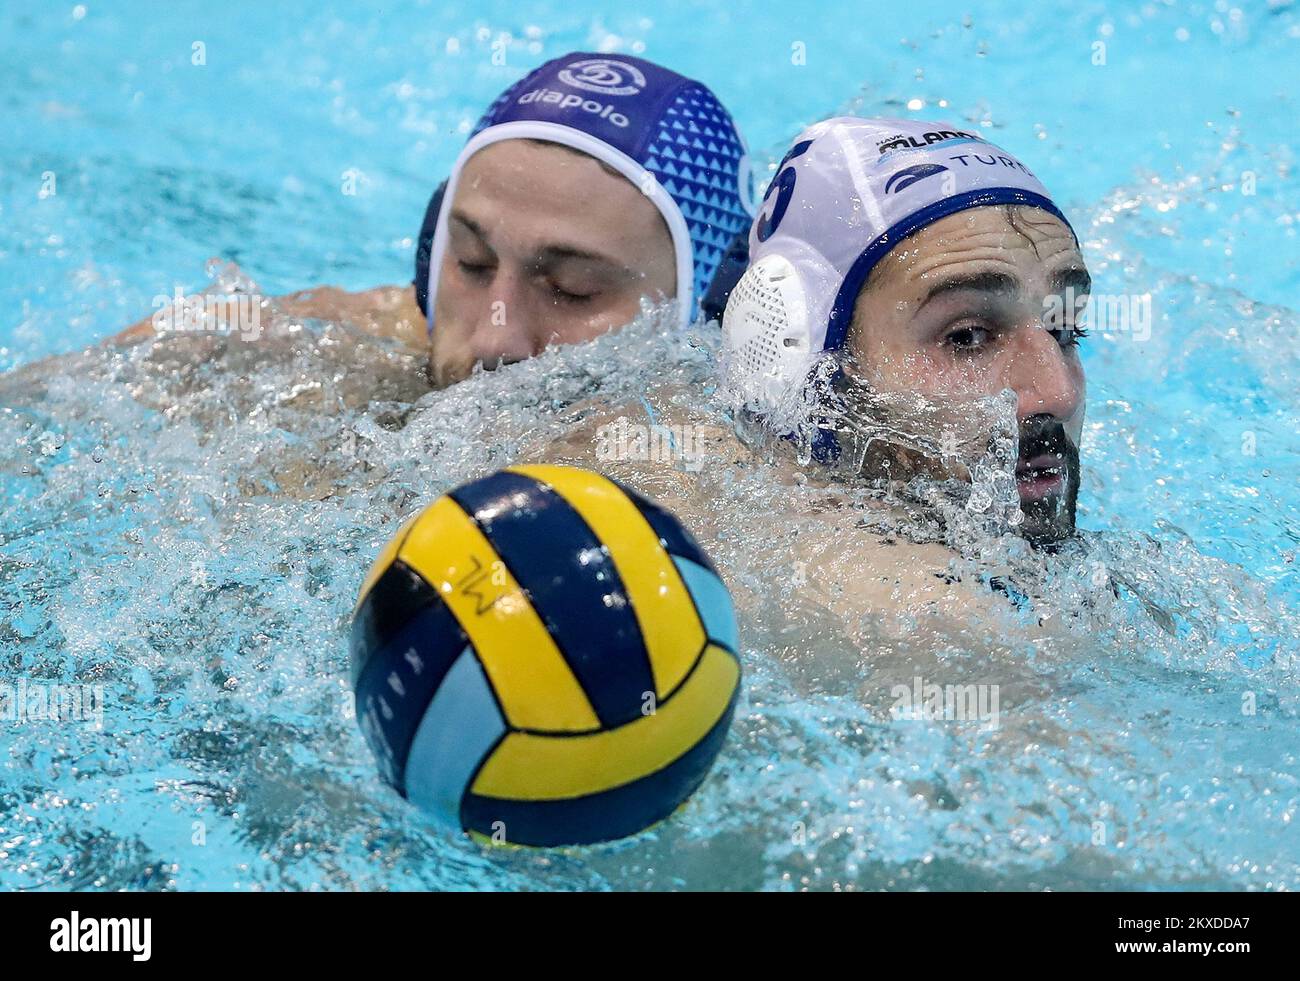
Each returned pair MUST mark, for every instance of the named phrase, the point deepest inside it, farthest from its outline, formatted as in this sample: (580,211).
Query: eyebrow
(550,255)
(981,282)
(469,223)
(991,281)
(1075,276)
(553,254)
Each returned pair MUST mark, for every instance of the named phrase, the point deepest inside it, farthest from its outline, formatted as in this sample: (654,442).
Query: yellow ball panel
(527,766)
(660,600)
(385,558)
(535,685)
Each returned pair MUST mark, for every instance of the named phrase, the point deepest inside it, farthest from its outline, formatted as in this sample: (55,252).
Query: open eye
(1069,337)
(967,337)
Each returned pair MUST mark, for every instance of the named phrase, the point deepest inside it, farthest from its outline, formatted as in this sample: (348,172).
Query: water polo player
(592,184)
(924,261)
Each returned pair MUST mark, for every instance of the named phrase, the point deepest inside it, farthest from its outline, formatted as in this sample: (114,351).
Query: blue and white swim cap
(667,134)
(845,194)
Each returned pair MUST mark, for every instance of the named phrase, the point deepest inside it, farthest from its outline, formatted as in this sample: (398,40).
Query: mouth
(1040,477)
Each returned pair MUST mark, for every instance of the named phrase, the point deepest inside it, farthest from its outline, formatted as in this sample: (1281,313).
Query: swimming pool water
(187,524)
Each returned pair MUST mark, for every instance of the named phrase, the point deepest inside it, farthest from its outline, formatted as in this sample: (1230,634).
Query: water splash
(187,522)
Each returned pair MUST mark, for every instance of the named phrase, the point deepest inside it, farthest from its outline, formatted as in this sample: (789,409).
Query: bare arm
(386,311)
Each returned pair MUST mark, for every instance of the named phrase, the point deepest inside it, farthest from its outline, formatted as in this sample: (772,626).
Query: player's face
(959,310)
(545,247)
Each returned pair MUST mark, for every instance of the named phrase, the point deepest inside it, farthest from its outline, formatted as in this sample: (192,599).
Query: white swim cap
(845,194)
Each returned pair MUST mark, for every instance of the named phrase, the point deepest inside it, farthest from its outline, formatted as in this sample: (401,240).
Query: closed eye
(565,296)
(474,269)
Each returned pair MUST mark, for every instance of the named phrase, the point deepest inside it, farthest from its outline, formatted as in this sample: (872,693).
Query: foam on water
(186,522)
(189,519)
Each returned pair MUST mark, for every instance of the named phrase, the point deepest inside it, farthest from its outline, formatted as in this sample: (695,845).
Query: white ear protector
(765,332)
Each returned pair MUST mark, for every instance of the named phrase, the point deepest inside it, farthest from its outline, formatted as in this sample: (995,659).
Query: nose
(1047,380)
(502,331)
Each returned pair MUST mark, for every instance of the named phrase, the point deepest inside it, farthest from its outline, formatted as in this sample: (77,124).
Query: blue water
(162,534)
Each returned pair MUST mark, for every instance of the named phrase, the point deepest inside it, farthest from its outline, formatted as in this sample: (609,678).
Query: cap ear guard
(766,333)
(424,249)
(730,268)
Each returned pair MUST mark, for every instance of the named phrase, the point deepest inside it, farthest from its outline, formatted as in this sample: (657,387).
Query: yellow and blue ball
(545,657)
